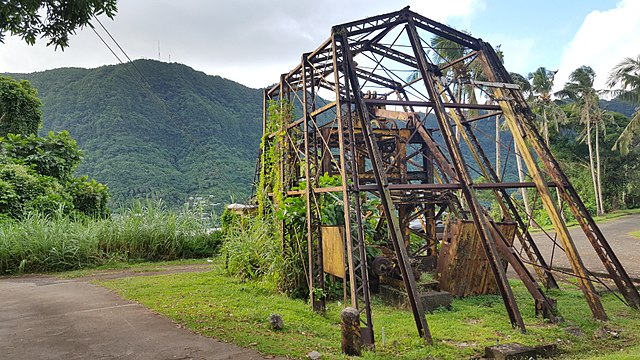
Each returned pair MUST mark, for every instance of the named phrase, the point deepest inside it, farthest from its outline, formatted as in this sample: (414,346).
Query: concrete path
(625,246)
(42,317)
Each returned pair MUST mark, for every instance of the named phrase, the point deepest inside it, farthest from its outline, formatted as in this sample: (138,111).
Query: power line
(122,50)
(145,82)
(105,43)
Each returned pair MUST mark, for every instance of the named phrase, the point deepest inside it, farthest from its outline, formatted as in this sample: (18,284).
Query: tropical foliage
(586,105)
(50,19)
(19,107)
(591,131)
(627,75)
(37,173)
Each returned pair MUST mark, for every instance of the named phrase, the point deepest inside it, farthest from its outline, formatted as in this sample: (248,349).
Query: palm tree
(525,85)
(446,51)
(543,106)
(627,75)
(464,72)
(527,91)
(587,104)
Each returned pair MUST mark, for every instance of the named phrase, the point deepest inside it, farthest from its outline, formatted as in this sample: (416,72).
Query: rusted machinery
(394,106)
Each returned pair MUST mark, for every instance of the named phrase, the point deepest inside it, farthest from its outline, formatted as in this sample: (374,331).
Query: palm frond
(627,136)
(626,73)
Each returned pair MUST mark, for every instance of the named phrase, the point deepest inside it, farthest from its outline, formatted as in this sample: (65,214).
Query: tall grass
(145,232)
(251,250)
(254,250)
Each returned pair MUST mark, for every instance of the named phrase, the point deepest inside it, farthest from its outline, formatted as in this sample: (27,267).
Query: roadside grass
(598,219)
(613,215)
(635,234)
(145,232)
(229,309)
(137,267)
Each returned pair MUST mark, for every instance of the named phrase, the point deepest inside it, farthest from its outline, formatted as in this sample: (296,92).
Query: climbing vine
(272,150)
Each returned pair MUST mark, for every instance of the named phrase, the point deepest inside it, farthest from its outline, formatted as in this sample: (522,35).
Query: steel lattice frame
(384,74)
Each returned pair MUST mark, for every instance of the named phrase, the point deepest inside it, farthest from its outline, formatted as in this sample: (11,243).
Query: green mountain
(150,128)
(164,130)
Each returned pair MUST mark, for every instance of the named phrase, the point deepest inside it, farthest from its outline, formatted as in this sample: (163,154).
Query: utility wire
(124,52)
(104,42)
(144,83)
(141,75)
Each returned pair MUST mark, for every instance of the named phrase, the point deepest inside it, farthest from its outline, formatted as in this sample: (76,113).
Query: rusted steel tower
(394,105)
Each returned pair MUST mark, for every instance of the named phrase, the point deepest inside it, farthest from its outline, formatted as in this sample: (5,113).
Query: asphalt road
(625,246)
(42,317)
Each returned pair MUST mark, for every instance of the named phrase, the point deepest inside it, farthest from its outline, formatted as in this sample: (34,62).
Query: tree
(587,105)
(36,173)
(51,19)
(19,107)
(523,82)
(527,91)
(545,109)
(627,75)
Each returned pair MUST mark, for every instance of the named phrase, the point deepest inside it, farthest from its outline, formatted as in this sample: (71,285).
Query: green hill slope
(173,133)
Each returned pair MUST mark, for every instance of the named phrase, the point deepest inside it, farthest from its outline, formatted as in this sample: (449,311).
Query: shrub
(55,155)
(37,175)
(25,190)
(89,197)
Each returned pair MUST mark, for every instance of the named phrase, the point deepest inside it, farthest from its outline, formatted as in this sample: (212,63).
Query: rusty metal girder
(412,171)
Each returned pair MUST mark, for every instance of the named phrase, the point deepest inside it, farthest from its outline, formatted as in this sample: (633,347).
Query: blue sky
(253,41)
(547,25)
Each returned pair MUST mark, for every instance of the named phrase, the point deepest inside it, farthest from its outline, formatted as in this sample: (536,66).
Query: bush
(36,174)
(25,190)
(89,197)
(55,155)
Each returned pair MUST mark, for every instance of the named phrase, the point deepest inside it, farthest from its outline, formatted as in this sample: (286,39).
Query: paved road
(626,247)
(42,317)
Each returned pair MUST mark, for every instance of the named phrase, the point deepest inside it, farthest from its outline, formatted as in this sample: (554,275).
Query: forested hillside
(154,129)
(157,129)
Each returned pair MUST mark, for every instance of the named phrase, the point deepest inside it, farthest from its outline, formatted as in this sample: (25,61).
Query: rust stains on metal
(396,107)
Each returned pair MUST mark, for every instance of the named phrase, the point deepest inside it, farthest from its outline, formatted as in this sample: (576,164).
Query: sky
(254,41)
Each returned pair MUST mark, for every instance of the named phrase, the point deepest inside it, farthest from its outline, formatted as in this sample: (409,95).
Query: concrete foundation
(431,300)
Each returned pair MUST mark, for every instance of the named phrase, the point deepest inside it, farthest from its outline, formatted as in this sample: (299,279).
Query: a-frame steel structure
(394,105)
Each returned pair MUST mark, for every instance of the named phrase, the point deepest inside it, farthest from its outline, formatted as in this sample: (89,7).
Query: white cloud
(517,51)
(249,41)
(603,40)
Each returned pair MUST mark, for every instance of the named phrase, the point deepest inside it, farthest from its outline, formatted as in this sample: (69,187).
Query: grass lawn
(598,219)
(138,267)
(635,234)
(228,309)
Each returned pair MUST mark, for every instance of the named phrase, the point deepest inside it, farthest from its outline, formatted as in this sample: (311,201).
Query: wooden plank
(462,264)
(333,250)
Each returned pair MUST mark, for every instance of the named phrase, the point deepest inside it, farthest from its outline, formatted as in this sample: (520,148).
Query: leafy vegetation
(36,173)
(19,107)
(587,143)
(627,74)
(144,232)
(236,310)
(51,19)
(173,134)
